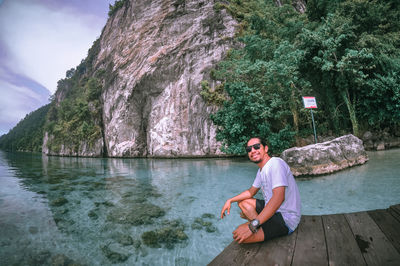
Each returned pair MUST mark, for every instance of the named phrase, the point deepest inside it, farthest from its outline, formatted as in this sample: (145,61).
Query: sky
(39,41)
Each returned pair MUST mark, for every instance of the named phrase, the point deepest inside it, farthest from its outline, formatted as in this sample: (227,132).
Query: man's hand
(227,207)
(242,233)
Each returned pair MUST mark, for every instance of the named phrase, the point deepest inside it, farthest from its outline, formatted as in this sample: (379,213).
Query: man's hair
(263,141)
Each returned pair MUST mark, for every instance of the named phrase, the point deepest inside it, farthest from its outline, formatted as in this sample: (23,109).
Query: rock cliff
(155,54)
(326,157)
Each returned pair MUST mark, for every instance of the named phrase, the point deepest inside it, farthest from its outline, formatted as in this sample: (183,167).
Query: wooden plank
(310,244)
(389,226)
(340,242)
(278,251)
(235,254)
(394,210)
(375,247)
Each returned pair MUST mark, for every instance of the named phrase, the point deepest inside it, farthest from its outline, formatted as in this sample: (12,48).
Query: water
(82,210)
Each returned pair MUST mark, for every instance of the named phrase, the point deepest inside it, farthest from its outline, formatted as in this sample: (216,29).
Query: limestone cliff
(155,54)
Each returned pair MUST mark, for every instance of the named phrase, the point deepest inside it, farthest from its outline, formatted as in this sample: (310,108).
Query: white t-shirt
(276,173)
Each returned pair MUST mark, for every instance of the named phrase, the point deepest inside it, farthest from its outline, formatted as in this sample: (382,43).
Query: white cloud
(15,103)
(44,43)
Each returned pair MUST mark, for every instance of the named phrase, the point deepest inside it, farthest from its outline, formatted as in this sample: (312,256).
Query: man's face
(256,155)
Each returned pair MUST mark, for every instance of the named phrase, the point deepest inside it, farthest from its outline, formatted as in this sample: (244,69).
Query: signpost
(310,103)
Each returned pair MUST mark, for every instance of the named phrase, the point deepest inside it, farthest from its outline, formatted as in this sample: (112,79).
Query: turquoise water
(96,211)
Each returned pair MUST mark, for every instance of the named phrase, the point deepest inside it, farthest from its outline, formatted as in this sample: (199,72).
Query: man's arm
(278,196)
(247,194)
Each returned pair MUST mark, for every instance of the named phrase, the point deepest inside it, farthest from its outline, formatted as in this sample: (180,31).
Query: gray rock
(155,54)
(159,55)
(59,201)
(367,136)
(380,146)
(114,253)
(326,157)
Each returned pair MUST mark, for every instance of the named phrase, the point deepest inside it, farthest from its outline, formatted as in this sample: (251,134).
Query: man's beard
(256,162)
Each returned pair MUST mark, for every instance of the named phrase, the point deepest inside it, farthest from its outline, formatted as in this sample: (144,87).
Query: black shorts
(275,226)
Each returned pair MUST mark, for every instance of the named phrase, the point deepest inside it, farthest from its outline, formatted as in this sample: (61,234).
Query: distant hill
(27,135)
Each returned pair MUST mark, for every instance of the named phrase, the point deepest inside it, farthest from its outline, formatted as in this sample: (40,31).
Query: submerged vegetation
(343,52)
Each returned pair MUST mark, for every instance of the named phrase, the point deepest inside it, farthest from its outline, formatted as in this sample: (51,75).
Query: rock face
(150,60)
(381,140)
(326,157)
(158,53)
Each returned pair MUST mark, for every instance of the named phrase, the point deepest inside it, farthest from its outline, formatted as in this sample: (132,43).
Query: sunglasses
(255,146)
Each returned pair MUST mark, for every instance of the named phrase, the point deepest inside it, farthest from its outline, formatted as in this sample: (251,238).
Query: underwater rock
(136,243)
(182,261)
(177,224)
(200,223)
(33,230)
(59,202)
(208,215)
(113,255)
(62,260)
(93,215)
(125,240)
(122,238)
(136,214)
(205,223)
(40,258)
(169,235)
(150,239)
(211,229)
(196,226)
(105,203)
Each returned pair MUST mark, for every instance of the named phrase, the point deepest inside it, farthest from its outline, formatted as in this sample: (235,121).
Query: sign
(309,102)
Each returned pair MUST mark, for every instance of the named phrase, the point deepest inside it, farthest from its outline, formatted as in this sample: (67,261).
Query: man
(279,213)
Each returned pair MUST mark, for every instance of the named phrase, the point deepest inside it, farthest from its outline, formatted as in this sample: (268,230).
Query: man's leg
(248,207)
(249,212)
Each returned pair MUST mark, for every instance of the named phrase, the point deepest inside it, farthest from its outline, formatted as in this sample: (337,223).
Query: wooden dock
(362,238)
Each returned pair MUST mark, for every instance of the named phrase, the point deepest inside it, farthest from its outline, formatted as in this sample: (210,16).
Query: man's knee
(247,204)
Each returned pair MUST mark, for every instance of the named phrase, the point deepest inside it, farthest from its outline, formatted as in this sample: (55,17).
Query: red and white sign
(309,102)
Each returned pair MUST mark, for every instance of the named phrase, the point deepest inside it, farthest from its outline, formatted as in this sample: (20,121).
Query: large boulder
(326,157)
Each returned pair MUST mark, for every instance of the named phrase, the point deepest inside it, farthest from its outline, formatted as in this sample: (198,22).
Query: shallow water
(83,210)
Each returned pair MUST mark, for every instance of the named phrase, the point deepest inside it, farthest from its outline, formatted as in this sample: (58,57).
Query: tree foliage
(117,5)
(344,52)
(27,135)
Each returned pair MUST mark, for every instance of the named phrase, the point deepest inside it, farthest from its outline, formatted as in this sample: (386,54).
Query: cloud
(39,41)
(15,103)
(43,42)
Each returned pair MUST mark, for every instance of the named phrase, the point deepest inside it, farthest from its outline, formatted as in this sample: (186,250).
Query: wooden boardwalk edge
(362,238)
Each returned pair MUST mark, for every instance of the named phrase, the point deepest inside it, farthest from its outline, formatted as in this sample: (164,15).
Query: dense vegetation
(74,117)
(344,52)
(27,135)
